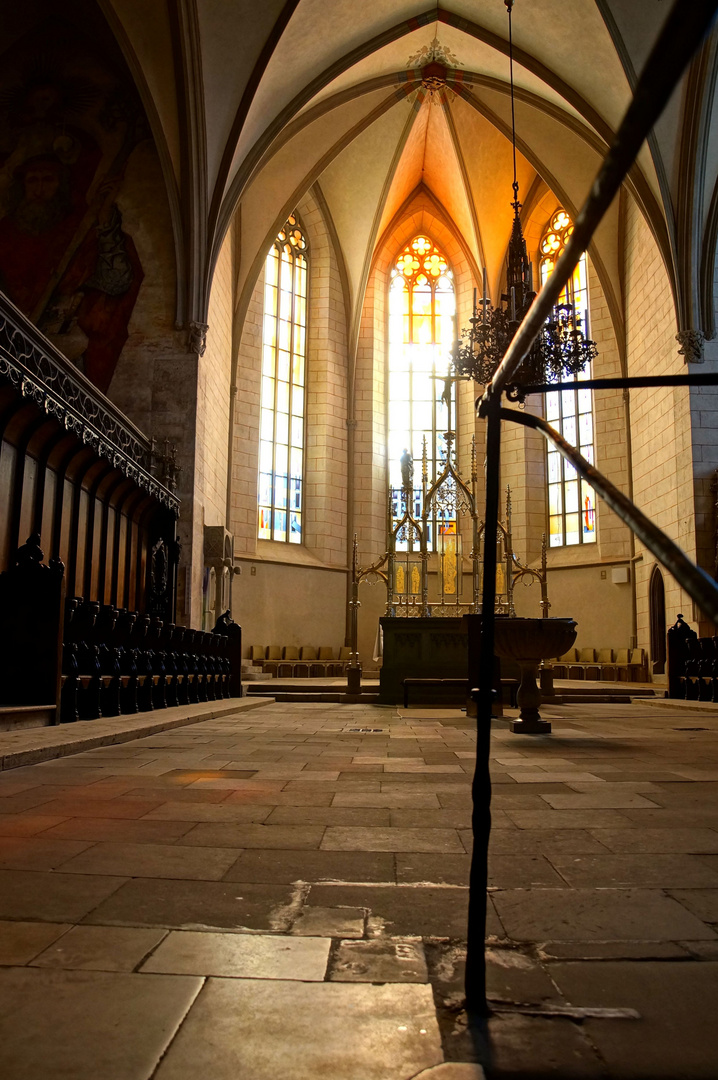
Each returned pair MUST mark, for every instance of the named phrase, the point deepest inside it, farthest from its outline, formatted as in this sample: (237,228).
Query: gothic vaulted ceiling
(251,104)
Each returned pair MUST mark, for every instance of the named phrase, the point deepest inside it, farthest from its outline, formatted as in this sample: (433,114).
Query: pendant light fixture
(560,350)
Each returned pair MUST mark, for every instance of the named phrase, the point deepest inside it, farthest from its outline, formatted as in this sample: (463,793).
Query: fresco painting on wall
(68,125)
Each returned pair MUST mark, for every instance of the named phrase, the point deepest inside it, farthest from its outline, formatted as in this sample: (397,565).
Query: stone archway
(657,616)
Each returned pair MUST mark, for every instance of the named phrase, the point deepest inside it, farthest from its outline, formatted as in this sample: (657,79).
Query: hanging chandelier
(560,350)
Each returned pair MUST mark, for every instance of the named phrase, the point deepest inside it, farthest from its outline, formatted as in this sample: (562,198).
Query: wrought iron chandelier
(560,350)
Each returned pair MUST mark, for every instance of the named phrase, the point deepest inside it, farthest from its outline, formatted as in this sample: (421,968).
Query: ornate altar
(425,569)
(430,579)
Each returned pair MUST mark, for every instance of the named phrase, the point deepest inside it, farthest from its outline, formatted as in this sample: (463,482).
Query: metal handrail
(681,35)
(699,586)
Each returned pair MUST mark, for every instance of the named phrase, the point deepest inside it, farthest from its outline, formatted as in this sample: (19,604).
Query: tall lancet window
(281,447)
(572,502)
(422,329)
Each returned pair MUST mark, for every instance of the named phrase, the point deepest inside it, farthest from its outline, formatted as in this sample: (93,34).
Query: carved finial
(508,503)
(30,552)
(474,472)
(424,459)
(691,342)
(197,337)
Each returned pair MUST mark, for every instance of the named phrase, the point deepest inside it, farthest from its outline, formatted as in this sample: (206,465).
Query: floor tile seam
(41,922)
(178,1026)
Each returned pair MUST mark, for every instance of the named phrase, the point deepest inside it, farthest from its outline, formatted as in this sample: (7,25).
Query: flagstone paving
(271,893)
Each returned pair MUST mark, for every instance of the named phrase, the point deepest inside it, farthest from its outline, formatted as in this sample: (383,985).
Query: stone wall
(287,599)
(660,419)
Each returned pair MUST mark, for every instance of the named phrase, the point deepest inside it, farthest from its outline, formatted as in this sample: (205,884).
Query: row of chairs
(623,665)
(288,661)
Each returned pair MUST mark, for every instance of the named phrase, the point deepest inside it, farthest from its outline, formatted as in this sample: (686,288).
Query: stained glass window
(422,329)
(281,445)
(571,501)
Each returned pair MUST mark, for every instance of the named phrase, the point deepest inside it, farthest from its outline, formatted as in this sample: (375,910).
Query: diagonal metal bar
(681,35)
(699,586)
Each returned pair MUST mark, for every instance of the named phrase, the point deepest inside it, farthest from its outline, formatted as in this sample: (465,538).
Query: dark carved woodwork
(119,661)
(231,653)
(101,497)
(31,628)
(692,664)
(41,374)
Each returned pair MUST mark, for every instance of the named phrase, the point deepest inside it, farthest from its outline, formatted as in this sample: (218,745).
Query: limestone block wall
(213,393)
(660,419)
(285,604)
(704,423)
(325,491)
(286,600)
(704,426)
(579,578)
(244,470)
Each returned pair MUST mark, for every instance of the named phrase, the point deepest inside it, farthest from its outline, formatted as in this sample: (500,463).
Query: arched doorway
(657,613)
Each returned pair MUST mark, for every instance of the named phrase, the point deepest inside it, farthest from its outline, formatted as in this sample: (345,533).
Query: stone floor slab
(440,869)
(405,910)
(702,902)
(241,956)
(336,922)
(658,841)
(544,842)
(645,871)
(266,837)
(575,819)
(196,905)
(377,839)
(154,861)
(288,866)
(85,1025)
(601,915)
(36,853)
(529,1047)
(99,948)
(52,897)
(599,801)
(385,960)
(27,824)
(142,831)
(266,1030)
(21,942)
(392,800)
(674,1037)
(523,872)
(180,811)
(329,815)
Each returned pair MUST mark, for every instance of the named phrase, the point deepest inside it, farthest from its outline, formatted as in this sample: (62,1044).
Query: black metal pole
(475,978)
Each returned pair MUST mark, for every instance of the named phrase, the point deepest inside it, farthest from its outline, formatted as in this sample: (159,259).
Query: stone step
(336,698)
(255,676)
(18,717)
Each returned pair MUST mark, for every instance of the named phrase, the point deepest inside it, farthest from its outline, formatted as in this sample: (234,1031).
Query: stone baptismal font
(527,642)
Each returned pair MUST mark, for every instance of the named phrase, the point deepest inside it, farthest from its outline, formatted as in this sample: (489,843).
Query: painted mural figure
(65,259)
